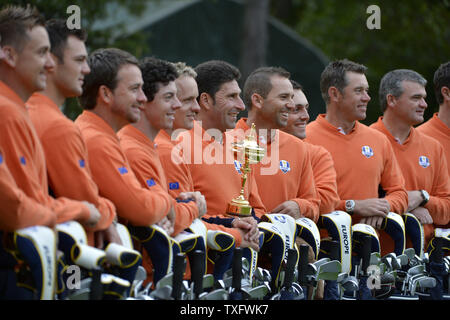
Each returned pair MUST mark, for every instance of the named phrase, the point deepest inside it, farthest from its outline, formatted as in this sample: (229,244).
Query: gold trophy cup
(252,154)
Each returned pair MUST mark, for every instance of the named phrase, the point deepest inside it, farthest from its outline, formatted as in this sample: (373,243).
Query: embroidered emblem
(424,162)
(82,163)
(123,170)
(23,161)
(151,182)
(285,166)
(174,185)
(367,151)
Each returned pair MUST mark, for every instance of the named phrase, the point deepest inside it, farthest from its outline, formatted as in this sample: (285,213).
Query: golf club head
(410,253)
(259,292)
(162,293)
(375,258)
(350,284)
(423,283)
(329,270)
(218,294)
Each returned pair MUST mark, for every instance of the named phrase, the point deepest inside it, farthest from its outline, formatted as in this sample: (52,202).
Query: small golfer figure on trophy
(252,153)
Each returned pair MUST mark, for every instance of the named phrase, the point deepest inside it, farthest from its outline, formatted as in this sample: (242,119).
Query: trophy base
(239,208)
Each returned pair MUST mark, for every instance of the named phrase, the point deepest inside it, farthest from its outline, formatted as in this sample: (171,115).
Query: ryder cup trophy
(252,154)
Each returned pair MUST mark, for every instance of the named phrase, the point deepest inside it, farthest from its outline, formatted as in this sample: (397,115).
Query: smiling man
(268,94)
(421,158)
(64,148)
(363,157)
(321,161)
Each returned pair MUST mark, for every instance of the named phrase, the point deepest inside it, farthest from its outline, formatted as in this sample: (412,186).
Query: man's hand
(109,235)
(199,200)
(290,208)
(248,225)
(94,216)
(414,199)
(372,207)
(423,215)
(374,221)
(166,225)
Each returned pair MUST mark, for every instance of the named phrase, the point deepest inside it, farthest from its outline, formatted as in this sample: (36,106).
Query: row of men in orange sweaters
(124,159)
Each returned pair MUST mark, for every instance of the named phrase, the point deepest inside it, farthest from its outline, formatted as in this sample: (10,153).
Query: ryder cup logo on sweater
(285,166)
(424,162)
(367,151)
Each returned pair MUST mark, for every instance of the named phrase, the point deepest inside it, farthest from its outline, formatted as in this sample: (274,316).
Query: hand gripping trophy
(252,153)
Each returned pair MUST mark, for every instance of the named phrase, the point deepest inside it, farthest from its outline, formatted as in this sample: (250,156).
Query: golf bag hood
(414,231)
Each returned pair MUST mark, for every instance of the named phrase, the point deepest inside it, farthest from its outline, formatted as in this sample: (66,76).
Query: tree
(414,34)
(91,11)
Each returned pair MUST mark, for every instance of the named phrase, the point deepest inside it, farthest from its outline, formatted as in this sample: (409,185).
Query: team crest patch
(238,166)
(122,170)
(151,182)
(23,161)
(367,151)
(174,186)
(285,166)
(1,159)
(82,163)
(424,162)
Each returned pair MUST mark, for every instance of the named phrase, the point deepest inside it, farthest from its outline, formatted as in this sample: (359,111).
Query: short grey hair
(391,83)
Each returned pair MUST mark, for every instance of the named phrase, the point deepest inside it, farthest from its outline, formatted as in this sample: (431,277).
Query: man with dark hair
(137,139)
(268,92)
(22,72)
(321,161)
(438,127)
(64,148)
(177,172)
(112,98)
(421,158)
(363,157)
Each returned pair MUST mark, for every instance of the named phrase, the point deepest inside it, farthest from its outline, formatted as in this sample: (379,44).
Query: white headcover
(308,231)
(74,229)
(338,224)
(285,226)
(89,257)
(44,241)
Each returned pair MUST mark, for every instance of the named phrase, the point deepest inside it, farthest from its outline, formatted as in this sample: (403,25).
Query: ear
(445,91)
(391,100)
(10,56)
(334,94)
(257,101)
(105,94)
(205,101)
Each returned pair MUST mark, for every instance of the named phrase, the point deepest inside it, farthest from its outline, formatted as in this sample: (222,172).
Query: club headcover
(394,226)
(158,244)
(37,247)
(308,231)
(361,229)
(275,245)
(70,234)
(88,257)
(124,235)
(220,251)
(414,231)
(338,225)
(444,234)
(252,255)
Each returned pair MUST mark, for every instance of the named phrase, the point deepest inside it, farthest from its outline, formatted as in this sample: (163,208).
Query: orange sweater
(216,179)
(24,156)
(324,177)
(438,130)
(363,159)
(67,159)
(143,157)
(114,177)
(180,180)
(294,182)
(18,210)
(422,161)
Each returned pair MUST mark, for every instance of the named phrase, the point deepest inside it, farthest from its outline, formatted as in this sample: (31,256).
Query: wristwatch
(350,206)
(425,197)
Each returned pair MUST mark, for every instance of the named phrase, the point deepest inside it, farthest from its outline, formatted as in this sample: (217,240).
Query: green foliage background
(414,34)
